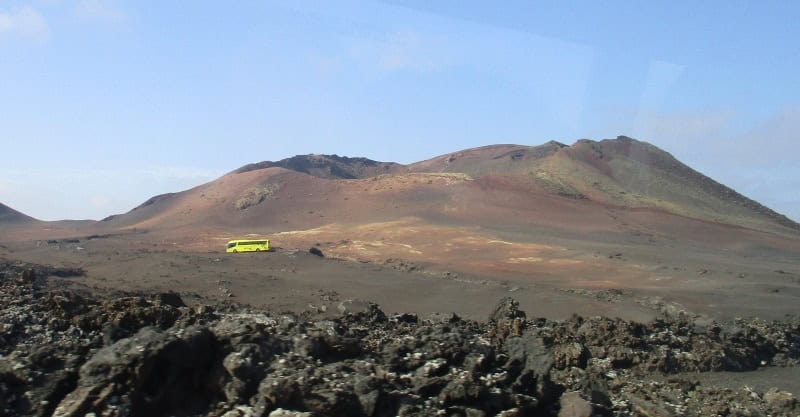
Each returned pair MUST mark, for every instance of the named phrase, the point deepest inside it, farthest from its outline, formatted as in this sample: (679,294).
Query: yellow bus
(235,246)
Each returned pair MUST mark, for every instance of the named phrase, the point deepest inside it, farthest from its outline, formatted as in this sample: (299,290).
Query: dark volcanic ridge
(69,354)
(328,166)
(11,216)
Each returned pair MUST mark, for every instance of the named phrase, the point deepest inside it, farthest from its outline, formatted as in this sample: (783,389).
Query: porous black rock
(70,354)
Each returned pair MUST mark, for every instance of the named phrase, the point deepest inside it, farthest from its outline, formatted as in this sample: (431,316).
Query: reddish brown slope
(551,213)
(496,224)
(621,172)
(555,184)
(281,199)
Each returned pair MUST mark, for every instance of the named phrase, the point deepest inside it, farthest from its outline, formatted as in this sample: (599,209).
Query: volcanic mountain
(9,216)
(621,172)
(499,208)
(595,231)
(614,213)
(544,185)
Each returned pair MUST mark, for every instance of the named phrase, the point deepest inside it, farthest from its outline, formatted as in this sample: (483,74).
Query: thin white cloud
(769,144)
(661,77)
(550,74)
(6,188)
(99,10)
(409,50)
(686,126)
(101,201)
(24,22)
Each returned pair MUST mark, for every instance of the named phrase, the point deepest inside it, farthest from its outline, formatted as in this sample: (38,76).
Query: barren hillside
(597,217)
(329,166)
(621,172)
(551,210)
(9,216)
(316,190)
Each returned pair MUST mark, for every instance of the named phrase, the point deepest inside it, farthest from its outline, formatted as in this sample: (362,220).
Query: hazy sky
(104,104)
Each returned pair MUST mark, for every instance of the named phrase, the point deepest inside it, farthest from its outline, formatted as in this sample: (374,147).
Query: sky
(105,103)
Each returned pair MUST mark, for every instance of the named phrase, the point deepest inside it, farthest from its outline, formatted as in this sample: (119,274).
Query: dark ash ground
(68,352)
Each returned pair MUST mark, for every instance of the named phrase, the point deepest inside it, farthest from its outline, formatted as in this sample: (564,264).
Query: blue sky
(106,103)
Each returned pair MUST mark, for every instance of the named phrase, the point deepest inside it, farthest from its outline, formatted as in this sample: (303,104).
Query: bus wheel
(234,251)
(258,250)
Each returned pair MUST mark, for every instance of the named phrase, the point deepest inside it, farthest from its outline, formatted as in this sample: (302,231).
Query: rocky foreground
(66,353)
